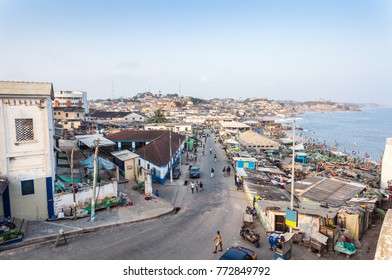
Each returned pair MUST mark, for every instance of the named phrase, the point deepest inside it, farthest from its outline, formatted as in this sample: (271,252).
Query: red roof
(136,135)
(158,150)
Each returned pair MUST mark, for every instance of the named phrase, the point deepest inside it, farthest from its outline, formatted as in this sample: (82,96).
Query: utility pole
(73,183)
(95,179)
(171,157)
(179,150)
(292,173)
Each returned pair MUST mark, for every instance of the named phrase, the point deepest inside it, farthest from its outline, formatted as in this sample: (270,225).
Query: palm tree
(158,117)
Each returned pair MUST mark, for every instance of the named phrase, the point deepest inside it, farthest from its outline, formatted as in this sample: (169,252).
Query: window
(77,115)
(66,115)
(27,187)
(279,222)
(24,130)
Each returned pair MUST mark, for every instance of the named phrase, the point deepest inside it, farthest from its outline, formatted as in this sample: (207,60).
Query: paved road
(187,235)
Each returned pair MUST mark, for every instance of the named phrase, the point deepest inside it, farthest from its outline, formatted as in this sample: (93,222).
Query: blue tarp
(102,163)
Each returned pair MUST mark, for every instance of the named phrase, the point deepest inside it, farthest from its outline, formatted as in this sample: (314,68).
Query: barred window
(24,130)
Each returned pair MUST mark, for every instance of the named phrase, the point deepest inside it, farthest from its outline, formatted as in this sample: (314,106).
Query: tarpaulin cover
(68,179)
(102,163)
(345,247)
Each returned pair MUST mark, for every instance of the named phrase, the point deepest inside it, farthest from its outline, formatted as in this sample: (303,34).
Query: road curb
(52,237)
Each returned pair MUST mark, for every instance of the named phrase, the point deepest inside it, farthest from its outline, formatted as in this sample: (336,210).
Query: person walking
(197,186)
(238,183)
(212,172)
(228,169)
(192,186)
(242,181)
(224,170)
(210,150)
(215,157)
(201,186)
(218,240)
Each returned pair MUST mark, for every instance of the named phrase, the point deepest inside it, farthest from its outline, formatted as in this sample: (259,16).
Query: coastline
(365,131)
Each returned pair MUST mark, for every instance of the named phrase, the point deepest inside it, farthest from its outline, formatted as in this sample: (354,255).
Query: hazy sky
(300,50)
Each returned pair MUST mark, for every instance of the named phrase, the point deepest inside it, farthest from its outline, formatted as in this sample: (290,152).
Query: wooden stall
(317,242)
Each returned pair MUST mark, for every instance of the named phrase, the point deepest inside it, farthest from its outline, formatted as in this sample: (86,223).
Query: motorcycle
(252,211)
(251,236)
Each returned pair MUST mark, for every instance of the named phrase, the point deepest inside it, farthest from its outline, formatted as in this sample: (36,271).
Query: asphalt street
(189,234)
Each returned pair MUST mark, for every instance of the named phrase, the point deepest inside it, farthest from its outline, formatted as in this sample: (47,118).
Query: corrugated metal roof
(124,155)
(89,140)
(334,192)
(253,138)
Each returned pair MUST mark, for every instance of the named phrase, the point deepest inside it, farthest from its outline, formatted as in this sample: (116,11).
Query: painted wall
(130,168)
(386,167)
(306,223)
(28,160)
(31,207)
(160,173)
(83,196)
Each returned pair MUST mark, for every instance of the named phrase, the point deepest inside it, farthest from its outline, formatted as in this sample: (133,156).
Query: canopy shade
(89,140)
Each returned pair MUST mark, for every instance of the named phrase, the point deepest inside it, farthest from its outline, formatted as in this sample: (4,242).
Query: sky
(338,50)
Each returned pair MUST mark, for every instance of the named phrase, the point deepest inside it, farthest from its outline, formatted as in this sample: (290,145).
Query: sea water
(360,133)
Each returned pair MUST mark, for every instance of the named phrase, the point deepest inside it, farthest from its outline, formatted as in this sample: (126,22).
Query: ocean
(360,133)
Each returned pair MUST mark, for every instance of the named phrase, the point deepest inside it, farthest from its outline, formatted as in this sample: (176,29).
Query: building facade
(27,157)
(74,98)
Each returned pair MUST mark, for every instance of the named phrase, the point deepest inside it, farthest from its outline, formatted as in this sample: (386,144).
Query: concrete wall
(28,160)
(83,196)
(384,244)
(131,168)
(31,207)
(306,224)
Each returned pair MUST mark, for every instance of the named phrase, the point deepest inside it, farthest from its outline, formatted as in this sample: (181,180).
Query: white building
(176,127)
(27,157)
(386,167)
(73,98)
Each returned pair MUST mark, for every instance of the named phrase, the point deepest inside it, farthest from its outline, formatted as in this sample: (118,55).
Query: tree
(158,117)
(196,101)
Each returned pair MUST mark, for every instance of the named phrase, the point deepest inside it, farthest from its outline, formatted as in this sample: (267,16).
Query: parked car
(238,253)
(194,172)
(176,172)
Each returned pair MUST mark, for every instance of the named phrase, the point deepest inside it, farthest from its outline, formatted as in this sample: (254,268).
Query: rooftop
(26,89)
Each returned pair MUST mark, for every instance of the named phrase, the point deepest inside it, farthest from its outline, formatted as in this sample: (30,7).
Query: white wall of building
(27,160)
(84,196)
(386,167)
(73,96)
